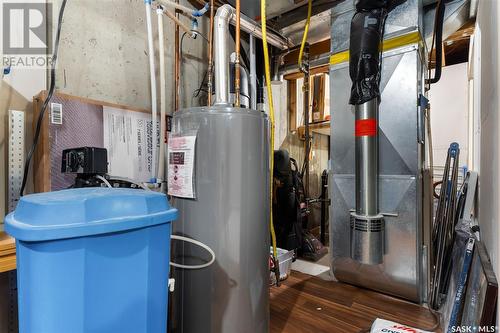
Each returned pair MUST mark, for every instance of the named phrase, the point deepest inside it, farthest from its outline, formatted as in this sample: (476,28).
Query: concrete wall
(103,55)
(486,95)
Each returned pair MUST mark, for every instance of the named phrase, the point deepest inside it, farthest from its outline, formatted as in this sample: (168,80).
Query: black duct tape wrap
(367,32)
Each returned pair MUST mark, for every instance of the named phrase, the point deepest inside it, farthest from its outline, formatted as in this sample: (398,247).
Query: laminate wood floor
(304,303)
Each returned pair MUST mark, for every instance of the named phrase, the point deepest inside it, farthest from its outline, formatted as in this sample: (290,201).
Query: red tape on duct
(366,127)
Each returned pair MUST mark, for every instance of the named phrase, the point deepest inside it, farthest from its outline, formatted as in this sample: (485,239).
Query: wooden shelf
(321,128)
(7,252)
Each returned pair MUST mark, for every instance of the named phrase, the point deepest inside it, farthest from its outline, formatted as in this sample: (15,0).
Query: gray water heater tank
(231,215)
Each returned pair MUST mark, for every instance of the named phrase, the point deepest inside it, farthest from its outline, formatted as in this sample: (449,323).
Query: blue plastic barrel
(92,260)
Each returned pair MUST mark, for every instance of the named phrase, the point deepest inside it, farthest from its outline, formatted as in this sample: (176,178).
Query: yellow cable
(271,118)
(306,31)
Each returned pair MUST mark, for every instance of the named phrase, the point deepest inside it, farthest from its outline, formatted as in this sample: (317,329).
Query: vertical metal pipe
(221,61)
(237,60)
(367,158)
(367,225)
(210,52)
(253,75)
(306,89)
(324,202)
(244,88)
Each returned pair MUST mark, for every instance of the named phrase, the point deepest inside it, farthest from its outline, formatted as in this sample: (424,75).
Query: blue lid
(86,211)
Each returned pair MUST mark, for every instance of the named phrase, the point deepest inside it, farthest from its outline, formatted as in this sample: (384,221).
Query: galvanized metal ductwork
(367,32)
(401,156)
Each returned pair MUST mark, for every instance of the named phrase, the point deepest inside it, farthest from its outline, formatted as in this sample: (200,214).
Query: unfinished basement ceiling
(251,8)
(289,16)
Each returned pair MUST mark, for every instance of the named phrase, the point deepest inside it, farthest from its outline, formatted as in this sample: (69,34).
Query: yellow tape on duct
(387,45)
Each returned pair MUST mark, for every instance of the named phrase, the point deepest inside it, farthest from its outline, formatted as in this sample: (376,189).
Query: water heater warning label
(181,152)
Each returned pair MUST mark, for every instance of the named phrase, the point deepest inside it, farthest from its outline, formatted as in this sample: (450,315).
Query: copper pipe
(210,52)
(177,65)
(237,60)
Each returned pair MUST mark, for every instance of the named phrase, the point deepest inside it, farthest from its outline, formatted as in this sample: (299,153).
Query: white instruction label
(181,166)
(128,139)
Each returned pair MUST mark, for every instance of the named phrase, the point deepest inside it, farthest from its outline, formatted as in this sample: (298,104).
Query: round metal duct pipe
(367,225)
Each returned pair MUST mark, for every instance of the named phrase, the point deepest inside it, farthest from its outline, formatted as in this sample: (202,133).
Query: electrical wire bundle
(47,100)
(437,40)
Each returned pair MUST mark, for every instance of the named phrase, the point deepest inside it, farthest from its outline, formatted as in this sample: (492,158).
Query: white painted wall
(449,113)
(16,93)
(486,98)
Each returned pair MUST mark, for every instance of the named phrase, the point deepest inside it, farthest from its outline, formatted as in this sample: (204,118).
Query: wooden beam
(318,97)
(314,50)
(292,105)
(41,158)
(314,71)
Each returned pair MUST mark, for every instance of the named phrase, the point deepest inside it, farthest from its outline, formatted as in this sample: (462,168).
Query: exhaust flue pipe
(221,54)
(225,15)
(367,32)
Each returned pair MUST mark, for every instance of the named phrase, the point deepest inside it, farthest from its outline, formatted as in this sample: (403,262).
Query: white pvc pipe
(152,70)
(163,97)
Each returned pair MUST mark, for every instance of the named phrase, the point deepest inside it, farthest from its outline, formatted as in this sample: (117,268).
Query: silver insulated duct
(230,212)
